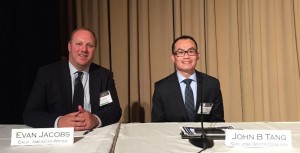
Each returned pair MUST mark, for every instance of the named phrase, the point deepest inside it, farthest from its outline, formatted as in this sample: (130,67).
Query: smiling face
(81,49)
(186,64)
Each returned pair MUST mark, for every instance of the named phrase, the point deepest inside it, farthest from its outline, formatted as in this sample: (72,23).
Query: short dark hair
(183,37)
(83,28)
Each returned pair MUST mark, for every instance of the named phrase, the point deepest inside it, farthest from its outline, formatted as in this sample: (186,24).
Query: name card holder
(42,136)
(258,138)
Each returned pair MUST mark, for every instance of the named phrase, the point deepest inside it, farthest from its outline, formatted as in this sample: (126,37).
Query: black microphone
(203,142)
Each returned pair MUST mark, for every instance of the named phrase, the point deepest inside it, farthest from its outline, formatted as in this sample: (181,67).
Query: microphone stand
(203,142)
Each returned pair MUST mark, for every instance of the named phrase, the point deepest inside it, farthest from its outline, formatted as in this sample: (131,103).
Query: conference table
(100,140)
(149,138)
(166,138)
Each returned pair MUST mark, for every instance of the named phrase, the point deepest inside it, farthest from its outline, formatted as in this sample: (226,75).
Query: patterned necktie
(78,96)
(189,100)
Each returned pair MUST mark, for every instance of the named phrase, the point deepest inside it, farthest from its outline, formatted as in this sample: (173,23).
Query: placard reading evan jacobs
(42,134)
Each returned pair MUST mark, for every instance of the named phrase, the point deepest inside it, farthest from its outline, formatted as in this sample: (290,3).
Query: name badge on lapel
(105,98)
(206,108)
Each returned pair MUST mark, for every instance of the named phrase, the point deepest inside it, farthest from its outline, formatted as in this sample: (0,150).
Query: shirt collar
(73,70)
(181,77)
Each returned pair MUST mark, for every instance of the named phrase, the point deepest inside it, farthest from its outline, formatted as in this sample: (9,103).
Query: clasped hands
(80,120)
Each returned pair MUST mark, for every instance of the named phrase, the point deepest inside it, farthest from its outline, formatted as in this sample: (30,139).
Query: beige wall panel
(161,38)
(228,59)
(119,52)
(103,38)
(245,61)
(134,101)
(193,25)
(297,53)
(94,25)
(269,54)
(256,62)
(251,46)
(177,18)
(144,61)
(286,59)
(210,40)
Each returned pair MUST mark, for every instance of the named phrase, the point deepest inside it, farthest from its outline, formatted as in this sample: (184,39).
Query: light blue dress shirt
(193,86)
(86,88)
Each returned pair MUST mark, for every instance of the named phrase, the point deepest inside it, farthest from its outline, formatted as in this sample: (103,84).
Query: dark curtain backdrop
(32,34)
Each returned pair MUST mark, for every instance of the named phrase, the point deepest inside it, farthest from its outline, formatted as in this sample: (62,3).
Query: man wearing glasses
(178,97)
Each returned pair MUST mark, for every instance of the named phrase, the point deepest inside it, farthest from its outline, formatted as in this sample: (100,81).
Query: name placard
(258,138)
(42,136)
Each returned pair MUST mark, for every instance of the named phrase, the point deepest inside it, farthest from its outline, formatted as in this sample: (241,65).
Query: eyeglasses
(181,52)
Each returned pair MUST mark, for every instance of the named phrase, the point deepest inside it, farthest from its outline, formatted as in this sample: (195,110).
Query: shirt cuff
(56,122)
(99,120)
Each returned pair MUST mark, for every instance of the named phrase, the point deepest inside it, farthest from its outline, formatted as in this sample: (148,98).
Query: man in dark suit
(52,100)
(178,97)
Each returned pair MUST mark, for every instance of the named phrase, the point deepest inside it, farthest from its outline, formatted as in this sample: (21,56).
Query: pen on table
(88,131)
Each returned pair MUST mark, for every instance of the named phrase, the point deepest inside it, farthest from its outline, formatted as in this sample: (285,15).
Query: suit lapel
(95,86)
(200,87)
(177,98)
(66,86)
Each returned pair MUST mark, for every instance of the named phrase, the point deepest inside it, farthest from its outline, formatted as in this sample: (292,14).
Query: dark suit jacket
(51,95)
(168,104)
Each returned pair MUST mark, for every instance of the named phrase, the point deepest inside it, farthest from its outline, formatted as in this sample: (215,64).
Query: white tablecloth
(100,140)
(165,138)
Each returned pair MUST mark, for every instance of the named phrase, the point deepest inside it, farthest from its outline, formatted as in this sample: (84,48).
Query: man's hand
(89,119)
(72,120)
